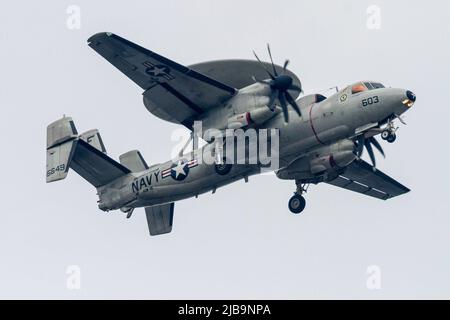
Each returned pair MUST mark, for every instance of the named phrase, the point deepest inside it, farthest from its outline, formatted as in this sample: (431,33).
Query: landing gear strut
(297,203)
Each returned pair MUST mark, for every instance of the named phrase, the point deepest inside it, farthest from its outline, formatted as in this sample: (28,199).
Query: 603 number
(370,101)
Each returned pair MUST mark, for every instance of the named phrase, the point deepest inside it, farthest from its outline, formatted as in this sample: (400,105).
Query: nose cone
(411,96)
(410,99)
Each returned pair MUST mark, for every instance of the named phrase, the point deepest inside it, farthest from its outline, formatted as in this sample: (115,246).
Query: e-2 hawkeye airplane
(321,139)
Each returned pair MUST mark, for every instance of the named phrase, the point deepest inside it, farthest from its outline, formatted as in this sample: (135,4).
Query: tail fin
(160,218)
(61,142)
(134,161)
(85,154)
(94,139)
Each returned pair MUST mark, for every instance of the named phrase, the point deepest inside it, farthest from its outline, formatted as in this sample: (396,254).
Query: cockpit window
(368,85)
(377,85)
(358,88)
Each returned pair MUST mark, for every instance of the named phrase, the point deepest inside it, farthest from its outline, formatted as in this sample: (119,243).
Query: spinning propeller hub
(279,85)
(282,83)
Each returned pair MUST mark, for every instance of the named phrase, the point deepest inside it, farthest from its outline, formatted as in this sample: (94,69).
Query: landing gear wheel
(222,168)
(392,138)
(385,134)
(297,204)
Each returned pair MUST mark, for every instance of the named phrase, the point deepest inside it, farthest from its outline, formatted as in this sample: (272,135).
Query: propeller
(279,85)
(368,143)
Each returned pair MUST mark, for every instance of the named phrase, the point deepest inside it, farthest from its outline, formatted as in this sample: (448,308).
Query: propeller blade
(273,97)
(271,60)
(285,66)
(377,145)
(264,66)
(284,107)
(295,87)
(370,152)
(260,81)
(293,104)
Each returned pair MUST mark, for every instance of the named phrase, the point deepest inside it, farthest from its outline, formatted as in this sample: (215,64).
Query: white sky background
(241,242)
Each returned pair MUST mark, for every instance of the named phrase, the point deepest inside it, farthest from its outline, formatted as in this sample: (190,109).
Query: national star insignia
(180,168)
(157,71)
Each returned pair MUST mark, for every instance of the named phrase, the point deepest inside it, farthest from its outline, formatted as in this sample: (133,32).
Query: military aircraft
(321,139)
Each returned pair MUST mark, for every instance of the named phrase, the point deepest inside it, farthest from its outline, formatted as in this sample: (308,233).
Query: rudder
(61,143)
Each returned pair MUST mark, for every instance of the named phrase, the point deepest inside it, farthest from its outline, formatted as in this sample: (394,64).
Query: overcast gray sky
(241,242)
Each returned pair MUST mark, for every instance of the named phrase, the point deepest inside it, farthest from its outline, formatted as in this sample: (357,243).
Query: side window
(320,98)
(358,88)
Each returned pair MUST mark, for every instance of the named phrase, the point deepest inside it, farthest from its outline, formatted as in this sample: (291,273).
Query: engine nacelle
(321,164)
(335,156)
(257,116)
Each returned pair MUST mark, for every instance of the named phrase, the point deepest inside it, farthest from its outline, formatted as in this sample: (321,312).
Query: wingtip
(99,35)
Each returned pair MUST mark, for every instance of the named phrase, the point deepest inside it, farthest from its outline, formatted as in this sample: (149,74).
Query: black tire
(385,134)
(224,168)
(297,204)
(392,138)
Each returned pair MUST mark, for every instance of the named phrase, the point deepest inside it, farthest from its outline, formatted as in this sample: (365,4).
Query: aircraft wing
(172,92)
(360,177)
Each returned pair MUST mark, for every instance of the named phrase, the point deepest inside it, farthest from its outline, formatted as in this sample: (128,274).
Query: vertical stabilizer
(61,143)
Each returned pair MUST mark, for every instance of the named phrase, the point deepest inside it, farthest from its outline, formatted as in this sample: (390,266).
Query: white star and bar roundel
(179,170)
(157,71)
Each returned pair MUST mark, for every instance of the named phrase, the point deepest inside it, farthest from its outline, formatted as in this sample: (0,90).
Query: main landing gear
(298,203)
(223,168)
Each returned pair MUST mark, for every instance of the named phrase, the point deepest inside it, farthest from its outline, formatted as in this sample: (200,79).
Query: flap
(361,177)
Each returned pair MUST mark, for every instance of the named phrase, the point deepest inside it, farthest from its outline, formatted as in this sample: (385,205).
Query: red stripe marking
(312,125)
(248,118)
(332,162)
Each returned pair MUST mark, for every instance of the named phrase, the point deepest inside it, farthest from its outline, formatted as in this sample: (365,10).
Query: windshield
(360,87)
(373,85)
(377,85)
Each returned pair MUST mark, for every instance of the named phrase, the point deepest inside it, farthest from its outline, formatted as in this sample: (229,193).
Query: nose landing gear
(388,134)
(297,203)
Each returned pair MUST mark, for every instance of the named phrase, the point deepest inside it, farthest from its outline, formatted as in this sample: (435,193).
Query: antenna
(326,90)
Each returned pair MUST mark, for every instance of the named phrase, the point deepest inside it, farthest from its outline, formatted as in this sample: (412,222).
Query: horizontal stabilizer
(94,166)
(160,218)
(85,154)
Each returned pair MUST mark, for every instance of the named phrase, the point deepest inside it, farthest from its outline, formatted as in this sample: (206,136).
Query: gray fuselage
(325,126)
